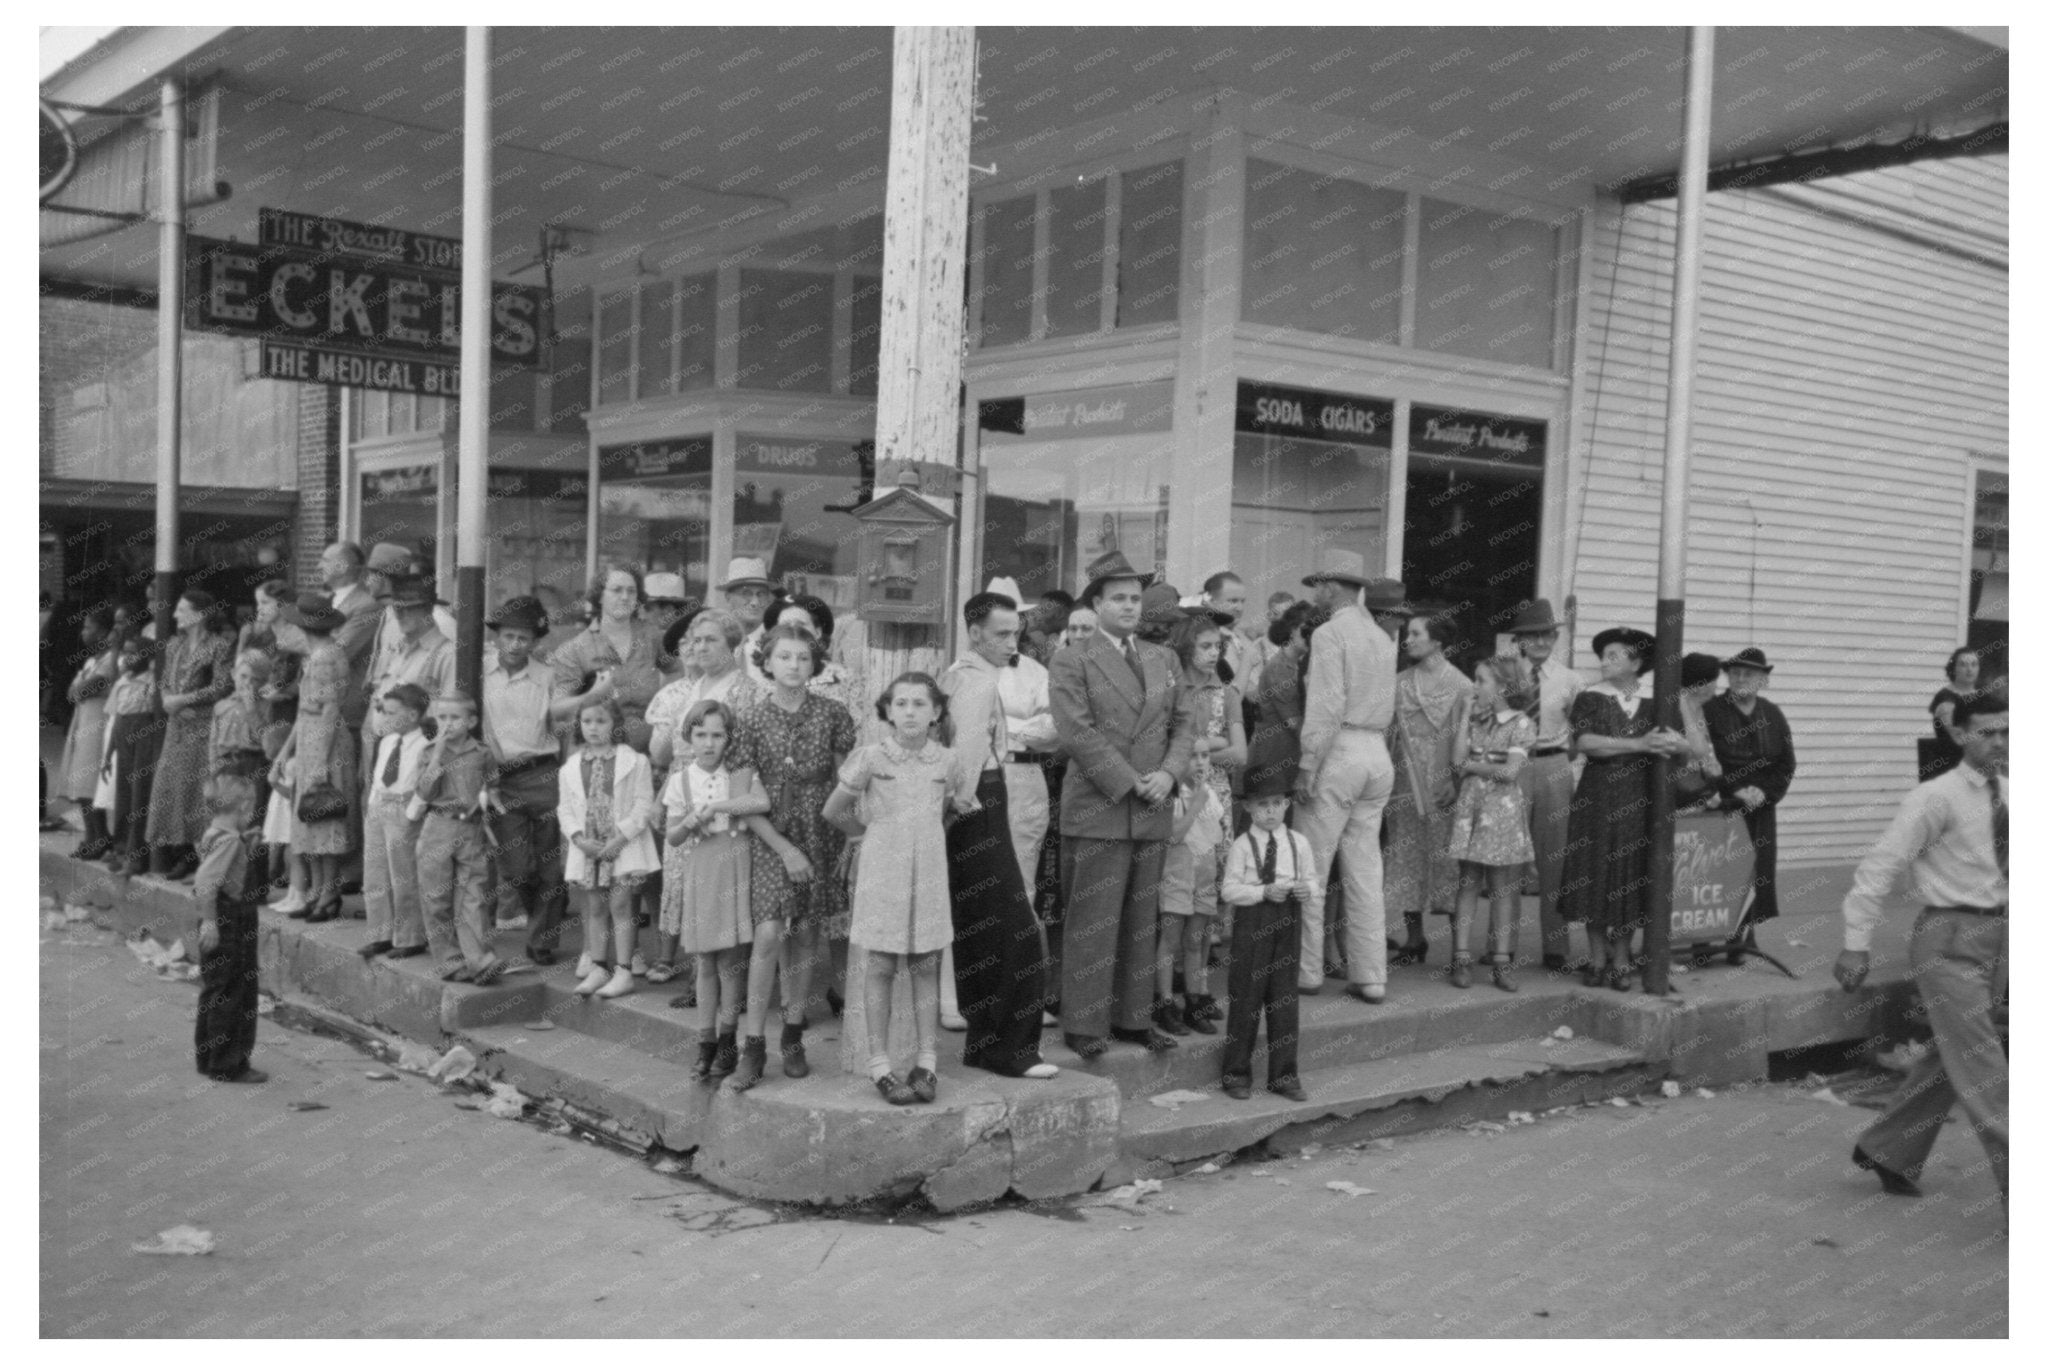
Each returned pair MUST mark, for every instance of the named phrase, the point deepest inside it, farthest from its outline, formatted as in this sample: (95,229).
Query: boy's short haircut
(454,696)
(412,697)
(258,662)
(226,792)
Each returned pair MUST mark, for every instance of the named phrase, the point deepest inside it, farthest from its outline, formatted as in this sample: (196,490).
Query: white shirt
(1026,689)
(703,788)
(1293,860)
(1943,834)
(410,748)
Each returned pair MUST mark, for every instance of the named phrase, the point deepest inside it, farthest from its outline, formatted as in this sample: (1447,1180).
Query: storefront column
(170,346)
(1561,503)
(473,431)
(1205,380)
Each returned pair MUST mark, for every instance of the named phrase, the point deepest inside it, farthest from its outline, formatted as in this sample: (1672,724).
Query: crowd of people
(1100,808)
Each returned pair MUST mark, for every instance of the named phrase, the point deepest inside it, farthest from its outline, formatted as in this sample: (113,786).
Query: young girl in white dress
(1490,823)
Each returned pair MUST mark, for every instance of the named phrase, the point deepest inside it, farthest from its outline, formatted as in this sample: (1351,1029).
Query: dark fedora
(1641,641)
(1535,618)
(1695,669)
(314,612)
(522,613)
(1387,597)
(1269,779)
(1113,565)
(414,590)
(1160,608)
(1751,657)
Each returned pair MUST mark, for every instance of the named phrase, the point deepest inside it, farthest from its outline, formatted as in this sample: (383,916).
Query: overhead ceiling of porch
(647,136)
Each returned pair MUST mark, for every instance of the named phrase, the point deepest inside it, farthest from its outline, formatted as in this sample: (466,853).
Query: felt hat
(1007,587)
(1338,566)
(1641,641)
(522,613)
(1387,597)
(387,558)
(1534,618)
(1695,669)
(314,612)
(1160,607)
(663,587)
(746,573)
(414,590)
(1751,657)
(1268,779)
(1114,566)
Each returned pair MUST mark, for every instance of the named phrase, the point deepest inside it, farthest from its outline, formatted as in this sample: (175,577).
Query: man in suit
(343,573)
(1128,732)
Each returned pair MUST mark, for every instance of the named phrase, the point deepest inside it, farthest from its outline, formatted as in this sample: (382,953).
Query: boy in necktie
(1270,875)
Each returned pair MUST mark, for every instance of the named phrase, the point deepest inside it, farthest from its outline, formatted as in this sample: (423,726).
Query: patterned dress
(1421,873)
(797,755)
(1490,825)
(902,900)
(706,880)
(323,747)
(201,664)
(1607,855)
(599,771)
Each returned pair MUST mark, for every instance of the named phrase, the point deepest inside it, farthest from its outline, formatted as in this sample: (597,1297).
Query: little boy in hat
(1270,875)
(456,789)
(226,893)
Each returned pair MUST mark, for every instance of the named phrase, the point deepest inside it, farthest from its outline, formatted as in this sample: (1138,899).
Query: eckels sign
(338,301)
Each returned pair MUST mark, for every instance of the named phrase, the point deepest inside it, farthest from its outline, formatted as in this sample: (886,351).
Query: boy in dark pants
(227,894)
(456,789)
(1270,875)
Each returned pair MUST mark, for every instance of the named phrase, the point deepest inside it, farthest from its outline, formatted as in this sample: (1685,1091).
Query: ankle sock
(878,1067)
(928,1060)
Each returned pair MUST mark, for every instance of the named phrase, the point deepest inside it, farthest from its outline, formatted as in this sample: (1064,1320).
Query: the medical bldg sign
(336,302)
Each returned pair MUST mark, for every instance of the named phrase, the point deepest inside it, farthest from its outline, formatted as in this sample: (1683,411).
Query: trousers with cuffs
(391,883)
(451,860)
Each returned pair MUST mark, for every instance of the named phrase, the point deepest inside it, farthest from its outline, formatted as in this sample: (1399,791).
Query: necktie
(1268,869)
(1131,657)
(2001,831)
(391,764)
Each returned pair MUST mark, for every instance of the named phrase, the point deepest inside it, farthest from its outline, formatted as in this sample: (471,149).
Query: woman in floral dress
(198,670)
(320,749)
(1430,704)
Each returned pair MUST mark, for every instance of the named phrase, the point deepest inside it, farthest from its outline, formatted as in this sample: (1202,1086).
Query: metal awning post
(1685,298)
(473,427)
(170,347)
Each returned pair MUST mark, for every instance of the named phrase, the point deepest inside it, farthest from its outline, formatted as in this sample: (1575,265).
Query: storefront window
(615,350)
(537,522)
(865,329)
(791,504)
(1070,476)
(657,338)
(697,341)
(654,507)
(398,507)
(1073,268)
(1486,285)
(1002,272)
(785,330)
(1310,474)
(1474,519)
(1322,254)
(568,358)
(1990,572)
(1148,246)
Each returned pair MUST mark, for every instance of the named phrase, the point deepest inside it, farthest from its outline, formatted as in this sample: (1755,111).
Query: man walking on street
(1546,779)
(1953,833)
(1128,731)
(1346,774)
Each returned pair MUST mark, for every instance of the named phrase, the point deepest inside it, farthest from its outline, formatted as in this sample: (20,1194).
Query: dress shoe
(795,1065)
(369,950)
(1891,1181)
(1555,962)
(1289,1088)
(924,1083)
(1301,988)
(895,1089)
(954,1022)
(541,957)
(1085,1047)
(1357,992)
(1237,1087)
(1461,970)
(621,984)
(1202,1014)
(411,950)
(490,971)
(249,1075)
(1151,1039)
(1166,1017)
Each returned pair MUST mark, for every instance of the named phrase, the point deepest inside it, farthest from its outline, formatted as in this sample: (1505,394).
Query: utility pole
(170,347)
(473,420)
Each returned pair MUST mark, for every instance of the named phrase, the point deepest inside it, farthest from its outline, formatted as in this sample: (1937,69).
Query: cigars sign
(336,302)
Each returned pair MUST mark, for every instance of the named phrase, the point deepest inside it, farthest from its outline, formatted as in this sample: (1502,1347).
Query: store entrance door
(1474,523)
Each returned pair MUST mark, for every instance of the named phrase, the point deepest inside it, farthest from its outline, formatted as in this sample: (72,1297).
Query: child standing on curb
(391,881)
(1270,875)
(457,775)
(704,880)
(607,800)
(227,890)
(1490,824)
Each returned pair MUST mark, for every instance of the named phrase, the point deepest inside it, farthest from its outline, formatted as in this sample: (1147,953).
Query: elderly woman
(1431,699)
(1965,669)
(1694,779)
(707,642)
(1753,744)
(618,655)
(320,757)
(1606,883)
(198,670)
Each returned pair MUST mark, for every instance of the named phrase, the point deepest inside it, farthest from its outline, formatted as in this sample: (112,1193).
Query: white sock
(878,1066)
(928,1060)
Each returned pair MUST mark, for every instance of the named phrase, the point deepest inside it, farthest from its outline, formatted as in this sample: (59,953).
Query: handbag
(322,801)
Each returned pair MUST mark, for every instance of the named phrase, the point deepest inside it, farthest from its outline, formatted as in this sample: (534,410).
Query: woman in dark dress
(198,670)
(1753,744)
(1965,668)
(1282,697)
(1606,883)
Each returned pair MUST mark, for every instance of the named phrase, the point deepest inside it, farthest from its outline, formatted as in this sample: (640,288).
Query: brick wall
(319,465)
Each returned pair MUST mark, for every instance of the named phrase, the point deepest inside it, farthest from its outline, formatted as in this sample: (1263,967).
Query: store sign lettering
(1119,410)
(1475,436)
(796,457)
(313,365)
(656,459)
(396,246)
(1276,410)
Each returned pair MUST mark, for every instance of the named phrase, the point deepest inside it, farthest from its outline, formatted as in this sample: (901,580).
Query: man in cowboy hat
(1128,731)
(520,711)
(1346,773)
(748,590)
(1546,778)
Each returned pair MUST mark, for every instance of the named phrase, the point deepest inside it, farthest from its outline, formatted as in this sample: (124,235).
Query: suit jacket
(1114,732)
(357,635)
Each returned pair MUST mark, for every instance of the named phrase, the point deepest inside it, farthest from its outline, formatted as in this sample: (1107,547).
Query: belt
(1368,729)
(512,767)
(1548,751)
(1035,760)
(466,817)
(1988,911)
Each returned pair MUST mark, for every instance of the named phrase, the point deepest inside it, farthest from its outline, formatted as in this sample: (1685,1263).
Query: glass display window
(1473,528)
(864,328)
(792,504)
(1074,250)
(785,339)
(657,339)
(538,522)
(1486,285)
(654,508)
(398,507)
(1310,472)
(1073,475)
(1003,269)
(1148,246)
(615,349)
(1322,253)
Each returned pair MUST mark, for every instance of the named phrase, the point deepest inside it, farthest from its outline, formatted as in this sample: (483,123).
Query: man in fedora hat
(418,654)
(520,712)
(343,572)
(747,591)
(1546,778)
(1346,773)
(664,601)
(1128,731)
(1386,600)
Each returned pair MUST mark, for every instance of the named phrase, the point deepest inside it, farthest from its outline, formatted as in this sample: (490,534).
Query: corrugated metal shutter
(1848,368)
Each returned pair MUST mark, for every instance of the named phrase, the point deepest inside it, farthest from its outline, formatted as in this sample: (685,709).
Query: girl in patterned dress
(1187,896)
(1490,825)
(607,800)
(705,875)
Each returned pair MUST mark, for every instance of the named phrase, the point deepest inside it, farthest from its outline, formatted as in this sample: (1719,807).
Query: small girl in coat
(902,902)
(704,879)
(1490,824)
(607,799)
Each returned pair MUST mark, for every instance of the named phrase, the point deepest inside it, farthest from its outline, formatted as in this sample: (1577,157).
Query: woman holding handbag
(317,765)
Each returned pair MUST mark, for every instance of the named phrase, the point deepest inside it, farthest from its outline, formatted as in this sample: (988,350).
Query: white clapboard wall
(1852,367)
